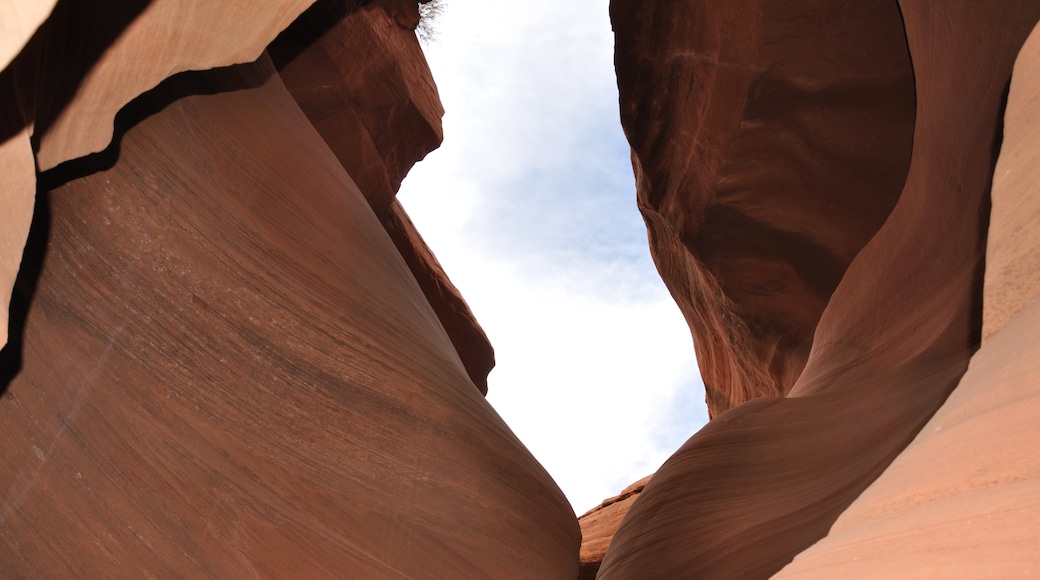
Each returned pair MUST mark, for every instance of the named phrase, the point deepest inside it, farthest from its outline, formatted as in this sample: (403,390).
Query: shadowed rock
(767,479)
(226,367)
(770,140)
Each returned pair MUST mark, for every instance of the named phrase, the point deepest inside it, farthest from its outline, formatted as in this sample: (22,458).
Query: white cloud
(530,207)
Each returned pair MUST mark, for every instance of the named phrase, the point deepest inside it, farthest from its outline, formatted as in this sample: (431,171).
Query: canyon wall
(961,500)
(230,352)
(755,194)
(767,479)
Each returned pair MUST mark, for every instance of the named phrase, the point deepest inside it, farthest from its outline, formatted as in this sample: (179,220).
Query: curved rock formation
(224,366)
(365,87)
(963,500)
(86,61)
(599,524)
(765,480)
(755,197)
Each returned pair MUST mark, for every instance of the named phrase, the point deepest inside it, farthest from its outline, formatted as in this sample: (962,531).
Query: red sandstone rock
(599,524)
(765,480)
(963,500)
(366,88)
(770,140)
(88,60)
(465,332)
(1013,254)
(228,367)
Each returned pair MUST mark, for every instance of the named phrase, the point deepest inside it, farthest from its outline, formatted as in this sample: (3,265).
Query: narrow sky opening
(530,207)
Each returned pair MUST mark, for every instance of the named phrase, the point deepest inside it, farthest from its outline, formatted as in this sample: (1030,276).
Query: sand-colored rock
(17,197)
(128,49)
(765,480)
(1013,253)
(229,370)
(19,19)
(770,141)
(599,524)
(962,500)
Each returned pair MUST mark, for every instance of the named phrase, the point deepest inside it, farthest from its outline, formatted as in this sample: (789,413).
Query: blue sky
(530,206)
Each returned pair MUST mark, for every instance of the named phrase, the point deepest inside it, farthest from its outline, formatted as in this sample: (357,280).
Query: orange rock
(962,500)
(229,369)
(365,86)
(88,60)
(770,140)
(765,480)
(222,364)
(1013,254)
(599,524)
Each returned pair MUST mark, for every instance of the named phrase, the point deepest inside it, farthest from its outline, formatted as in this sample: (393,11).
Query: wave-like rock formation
(755,197)
(231,354)
(963,500)
(766,479)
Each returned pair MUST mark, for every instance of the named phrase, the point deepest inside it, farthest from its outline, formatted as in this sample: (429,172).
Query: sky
(529,205)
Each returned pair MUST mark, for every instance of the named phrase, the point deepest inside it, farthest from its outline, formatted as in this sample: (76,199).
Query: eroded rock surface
(962,500)
(767,479)
(365,87)
(221,362)
(770,140)
(599,524)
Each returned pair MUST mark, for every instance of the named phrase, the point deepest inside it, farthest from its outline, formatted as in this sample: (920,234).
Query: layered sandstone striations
(962,500)
(599,524)
(767,479)
(365,87)
(770,140)
(85,61)
(221,363)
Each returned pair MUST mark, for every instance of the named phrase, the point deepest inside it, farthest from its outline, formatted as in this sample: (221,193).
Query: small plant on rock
(429,12)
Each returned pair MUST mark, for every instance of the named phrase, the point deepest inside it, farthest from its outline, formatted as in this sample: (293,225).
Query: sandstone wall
(961,501)
(227,356)
(767,479)
(770,140)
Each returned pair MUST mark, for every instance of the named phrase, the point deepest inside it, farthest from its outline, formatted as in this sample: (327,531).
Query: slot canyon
(229,351)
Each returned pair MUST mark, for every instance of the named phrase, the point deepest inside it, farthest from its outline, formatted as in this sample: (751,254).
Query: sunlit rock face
(599,524)
(966,492)
(227,356)
(767,479)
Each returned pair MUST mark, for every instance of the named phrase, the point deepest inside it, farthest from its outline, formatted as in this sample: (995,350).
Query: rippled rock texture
(745,121)
(231,354)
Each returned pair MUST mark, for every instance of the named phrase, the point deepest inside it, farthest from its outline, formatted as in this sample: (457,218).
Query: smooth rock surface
(962,500)
(365,86)
(84,63)
(19,19)
(1013,254)
(599,524)
(770,140)
(229,370)
(765,480)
